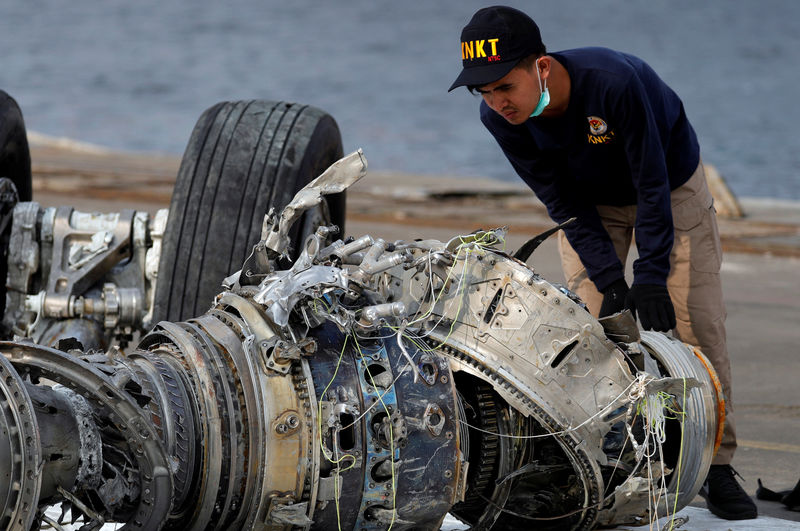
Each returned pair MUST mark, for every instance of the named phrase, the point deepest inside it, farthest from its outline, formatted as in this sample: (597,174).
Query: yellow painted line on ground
(777,447)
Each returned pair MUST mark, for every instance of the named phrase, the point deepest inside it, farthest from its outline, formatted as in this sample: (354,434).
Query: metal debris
(371,385)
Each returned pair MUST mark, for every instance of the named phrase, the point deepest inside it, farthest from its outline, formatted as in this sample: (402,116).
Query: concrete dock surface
(760,272)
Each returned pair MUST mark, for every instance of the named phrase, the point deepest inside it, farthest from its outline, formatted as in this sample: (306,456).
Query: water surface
(136,75)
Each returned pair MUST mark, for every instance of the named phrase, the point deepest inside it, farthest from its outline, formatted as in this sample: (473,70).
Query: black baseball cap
(494,41)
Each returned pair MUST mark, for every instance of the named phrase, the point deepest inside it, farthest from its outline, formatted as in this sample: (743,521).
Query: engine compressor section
(365,385)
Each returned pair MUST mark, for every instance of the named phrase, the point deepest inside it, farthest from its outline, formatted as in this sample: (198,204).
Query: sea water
(135,75)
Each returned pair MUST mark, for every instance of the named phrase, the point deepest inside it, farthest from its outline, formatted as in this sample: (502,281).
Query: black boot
(725,497)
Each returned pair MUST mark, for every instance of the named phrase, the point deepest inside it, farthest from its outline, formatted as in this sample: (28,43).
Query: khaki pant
(694,283)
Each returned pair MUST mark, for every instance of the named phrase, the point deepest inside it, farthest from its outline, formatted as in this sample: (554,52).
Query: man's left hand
(654,306)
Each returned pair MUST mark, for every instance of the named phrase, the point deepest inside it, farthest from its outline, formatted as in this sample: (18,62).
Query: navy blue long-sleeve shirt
(623,140)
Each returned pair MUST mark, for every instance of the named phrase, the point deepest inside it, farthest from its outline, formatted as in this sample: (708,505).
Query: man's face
(515,96)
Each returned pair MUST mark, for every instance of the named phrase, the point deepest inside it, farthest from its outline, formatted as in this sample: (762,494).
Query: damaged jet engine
(361,384)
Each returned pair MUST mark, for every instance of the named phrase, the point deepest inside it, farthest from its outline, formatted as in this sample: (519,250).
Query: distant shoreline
(42,141)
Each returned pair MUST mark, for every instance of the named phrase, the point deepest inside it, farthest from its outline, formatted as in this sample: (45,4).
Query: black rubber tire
(15,156)
(242,158)
(15,164)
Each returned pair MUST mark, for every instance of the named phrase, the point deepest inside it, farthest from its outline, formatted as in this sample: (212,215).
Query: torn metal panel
(337,178)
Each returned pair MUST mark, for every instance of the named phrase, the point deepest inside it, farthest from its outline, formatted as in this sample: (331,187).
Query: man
(598,135)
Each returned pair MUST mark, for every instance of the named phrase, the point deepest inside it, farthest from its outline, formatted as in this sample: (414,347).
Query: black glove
(614,297)
(654,306)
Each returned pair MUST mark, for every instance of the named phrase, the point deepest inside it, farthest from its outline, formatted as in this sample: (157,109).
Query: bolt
(281,428)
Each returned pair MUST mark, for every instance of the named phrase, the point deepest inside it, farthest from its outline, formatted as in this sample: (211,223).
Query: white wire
(400,344)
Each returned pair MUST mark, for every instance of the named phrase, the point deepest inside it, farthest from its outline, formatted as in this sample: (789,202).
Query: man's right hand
(614,298)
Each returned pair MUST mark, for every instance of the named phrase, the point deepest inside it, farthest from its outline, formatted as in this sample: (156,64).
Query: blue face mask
(544,98)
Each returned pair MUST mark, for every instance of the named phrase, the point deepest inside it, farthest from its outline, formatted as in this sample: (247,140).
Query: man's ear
(543,64)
